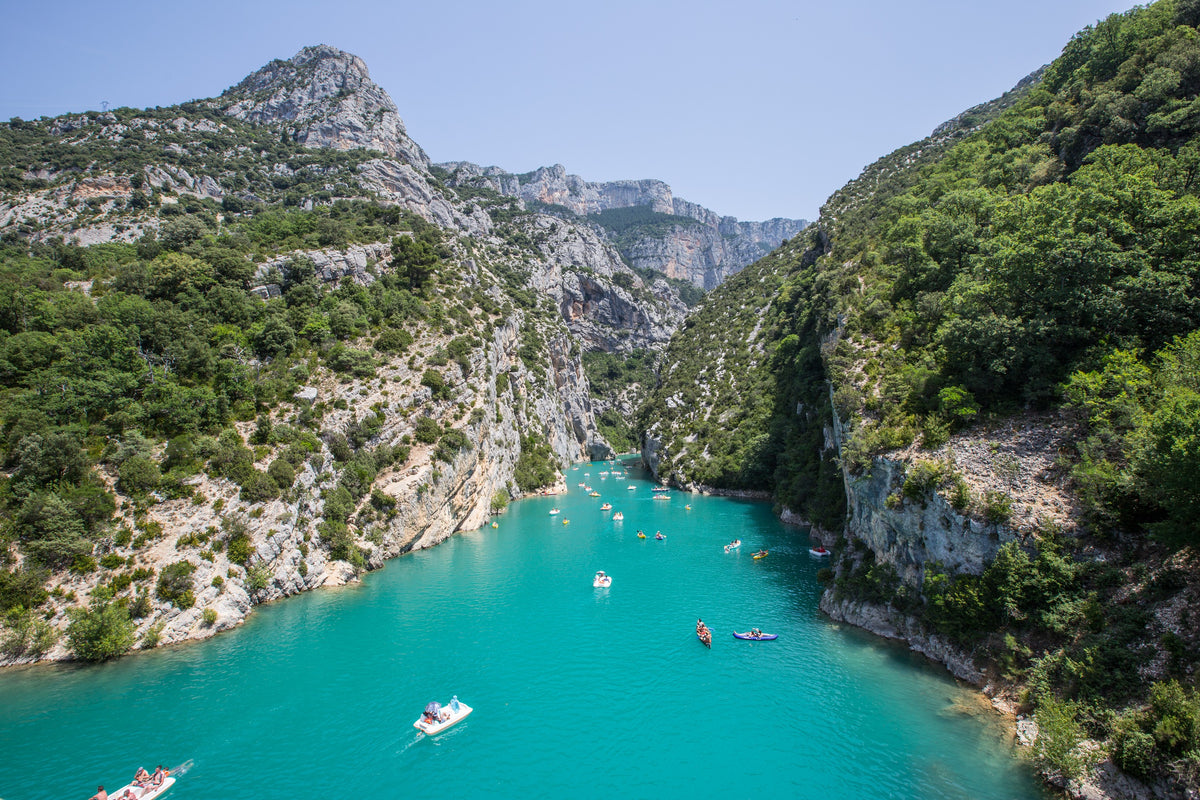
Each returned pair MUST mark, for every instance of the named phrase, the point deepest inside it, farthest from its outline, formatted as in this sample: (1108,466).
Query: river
(578,692)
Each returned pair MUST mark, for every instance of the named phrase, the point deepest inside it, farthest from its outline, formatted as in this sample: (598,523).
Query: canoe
(144,792)
(764,637)
(706,642)
(437,727)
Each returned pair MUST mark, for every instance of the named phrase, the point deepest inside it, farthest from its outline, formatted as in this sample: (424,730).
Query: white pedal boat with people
(436,717)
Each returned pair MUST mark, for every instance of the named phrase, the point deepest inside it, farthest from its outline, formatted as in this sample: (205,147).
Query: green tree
(102,631)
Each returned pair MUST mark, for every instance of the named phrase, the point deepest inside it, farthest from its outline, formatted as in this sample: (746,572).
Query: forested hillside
(250,346)
(996,318)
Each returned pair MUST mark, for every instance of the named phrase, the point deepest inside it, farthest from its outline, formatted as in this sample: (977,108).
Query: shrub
(453,441)
(210,617)
(175,584)
(100,632)
(427,430)
(1059,734)
(138,475)
(436,383)
(393,340)
(27,634)
(997,507)
(258,487)
(282,473)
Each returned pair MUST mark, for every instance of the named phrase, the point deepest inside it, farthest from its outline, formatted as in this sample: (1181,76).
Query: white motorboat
(144,792)
(437,717)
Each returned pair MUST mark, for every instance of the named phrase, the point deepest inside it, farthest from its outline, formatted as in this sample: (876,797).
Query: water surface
(578,692)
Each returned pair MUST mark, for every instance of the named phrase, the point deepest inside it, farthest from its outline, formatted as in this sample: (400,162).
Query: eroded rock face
(327,98)
(704,253)
(912,534)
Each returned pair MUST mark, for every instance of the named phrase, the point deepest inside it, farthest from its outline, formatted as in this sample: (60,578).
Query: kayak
(762,637)
(441,725)
(641,535)
(761,554)
(146,792)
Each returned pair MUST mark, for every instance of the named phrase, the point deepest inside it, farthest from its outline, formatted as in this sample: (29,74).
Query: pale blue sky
(756,108)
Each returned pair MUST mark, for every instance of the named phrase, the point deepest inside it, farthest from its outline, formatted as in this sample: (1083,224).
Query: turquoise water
(578,692)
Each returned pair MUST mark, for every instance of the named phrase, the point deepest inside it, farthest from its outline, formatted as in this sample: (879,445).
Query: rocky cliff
(324,97)
(680,239)
(518,297)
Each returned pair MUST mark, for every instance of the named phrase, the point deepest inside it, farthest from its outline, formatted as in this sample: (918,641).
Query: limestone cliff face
(553,185)
(607,306)
(912,534)
(704,254)
(326,99)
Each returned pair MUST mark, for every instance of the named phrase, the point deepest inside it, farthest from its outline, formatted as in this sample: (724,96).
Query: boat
(443,716)
(661,489)
(145,792)
(582,485)
(662,497)
(818,551)
(566,522)
(595,494)
(617,517)
(762,637)
(641,534)
(631,487)
(761,554)
(602,581)
(495,524)
(688,507)
(554,511)
(734,545)
(704,635)
(606,507)
(660,536)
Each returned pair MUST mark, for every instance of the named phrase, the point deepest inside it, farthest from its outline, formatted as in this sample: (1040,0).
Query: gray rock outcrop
(703,252)
(325,98)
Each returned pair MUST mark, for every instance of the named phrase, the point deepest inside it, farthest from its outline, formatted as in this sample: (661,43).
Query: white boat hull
(144,792)
(437,727)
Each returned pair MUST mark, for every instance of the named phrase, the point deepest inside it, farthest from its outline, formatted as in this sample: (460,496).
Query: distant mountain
(652,229)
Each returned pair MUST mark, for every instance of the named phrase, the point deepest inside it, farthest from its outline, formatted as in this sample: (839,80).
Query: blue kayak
(762,637)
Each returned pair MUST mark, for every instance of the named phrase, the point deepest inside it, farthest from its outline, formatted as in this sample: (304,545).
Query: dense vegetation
(1046,261)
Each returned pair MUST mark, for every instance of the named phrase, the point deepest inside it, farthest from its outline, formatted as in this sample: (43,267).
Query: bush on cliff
(102,631)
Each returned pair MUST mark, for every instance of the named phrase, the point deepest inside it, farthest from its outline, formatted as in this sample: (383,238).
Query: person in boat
(141,777)
(100,794)
(159,776)
(129,795)
(756,633)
